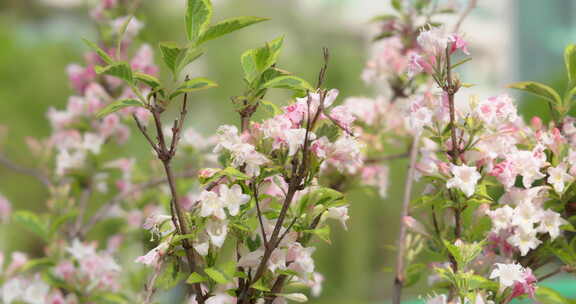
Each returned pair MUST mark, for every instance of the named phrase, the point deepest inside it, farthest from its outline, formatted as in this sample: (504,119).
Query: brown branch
(386,158)
(25,171)
(551,274)
(399,279)
(144,132)
(255,191)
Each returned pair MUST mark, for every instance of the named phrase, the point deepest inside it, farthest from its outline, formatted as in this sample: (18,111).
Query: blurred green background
(39,38)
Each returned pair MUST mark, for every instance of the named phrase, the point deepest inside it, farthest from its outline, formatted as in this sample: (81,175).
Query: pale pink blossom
(464,178)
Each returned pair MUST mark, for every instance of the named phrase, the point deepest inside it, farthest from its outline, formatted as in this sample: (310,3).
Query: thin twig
(26,171)
(255,190)
(399,280)
(551,274)
(144,132)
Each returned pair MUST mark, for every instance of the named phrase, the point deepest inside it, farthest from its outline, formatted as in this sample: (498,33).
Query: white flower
(152,258)
(134,26)
(36,292)
(338,213)
(558,177)
(434,41)
(226,138)
(525,215)
(233,198)
(80,251)
(295,139)
(465,179)
(296,297)
(507,274)
(550,222)
(211,205)
(221,298)
(501,218)
(277,260)
(202,244)
(420,118)
(525,240)
(217,231)
(12,290)
(92,142)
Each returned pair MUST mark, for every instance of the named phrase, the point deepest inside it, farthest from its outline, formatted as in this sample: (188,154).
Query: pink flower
(527,286)
(152,258)
(5,209)
(343,116)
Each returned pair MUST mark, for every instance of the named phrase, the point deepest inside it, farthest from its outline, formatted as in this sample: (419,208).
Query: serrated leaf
(121,70)
(119,105)
(257,61)
(149,80)
(198,16)
(538,89)
(32,222)
(570,62)
(216,275)
(289,82)
(228,26)
(103,55)
(170,52)
(196,278)
(195,84)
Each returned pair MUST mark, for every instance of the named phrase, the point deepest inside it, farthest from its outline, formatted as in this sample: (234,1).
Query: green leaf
(121,70)
(195,84)
(186,57)
(32,222)
(170,51)
(289,82)
(550,296)
(178,238)
(119,105)
(149,80)
(198,16)
(55,225)
(228,26)
(170,277)
(103,55)
(37,263)
(258,285)
(323,233)
(195,278)
(570,61)
(256,61)
(216,275)
(538,89)
(383,18)
(397,5)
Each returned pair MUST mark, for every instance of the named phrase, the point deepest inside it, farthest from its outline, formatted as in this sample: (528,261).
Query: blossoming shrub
(496,216)
(242,234)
